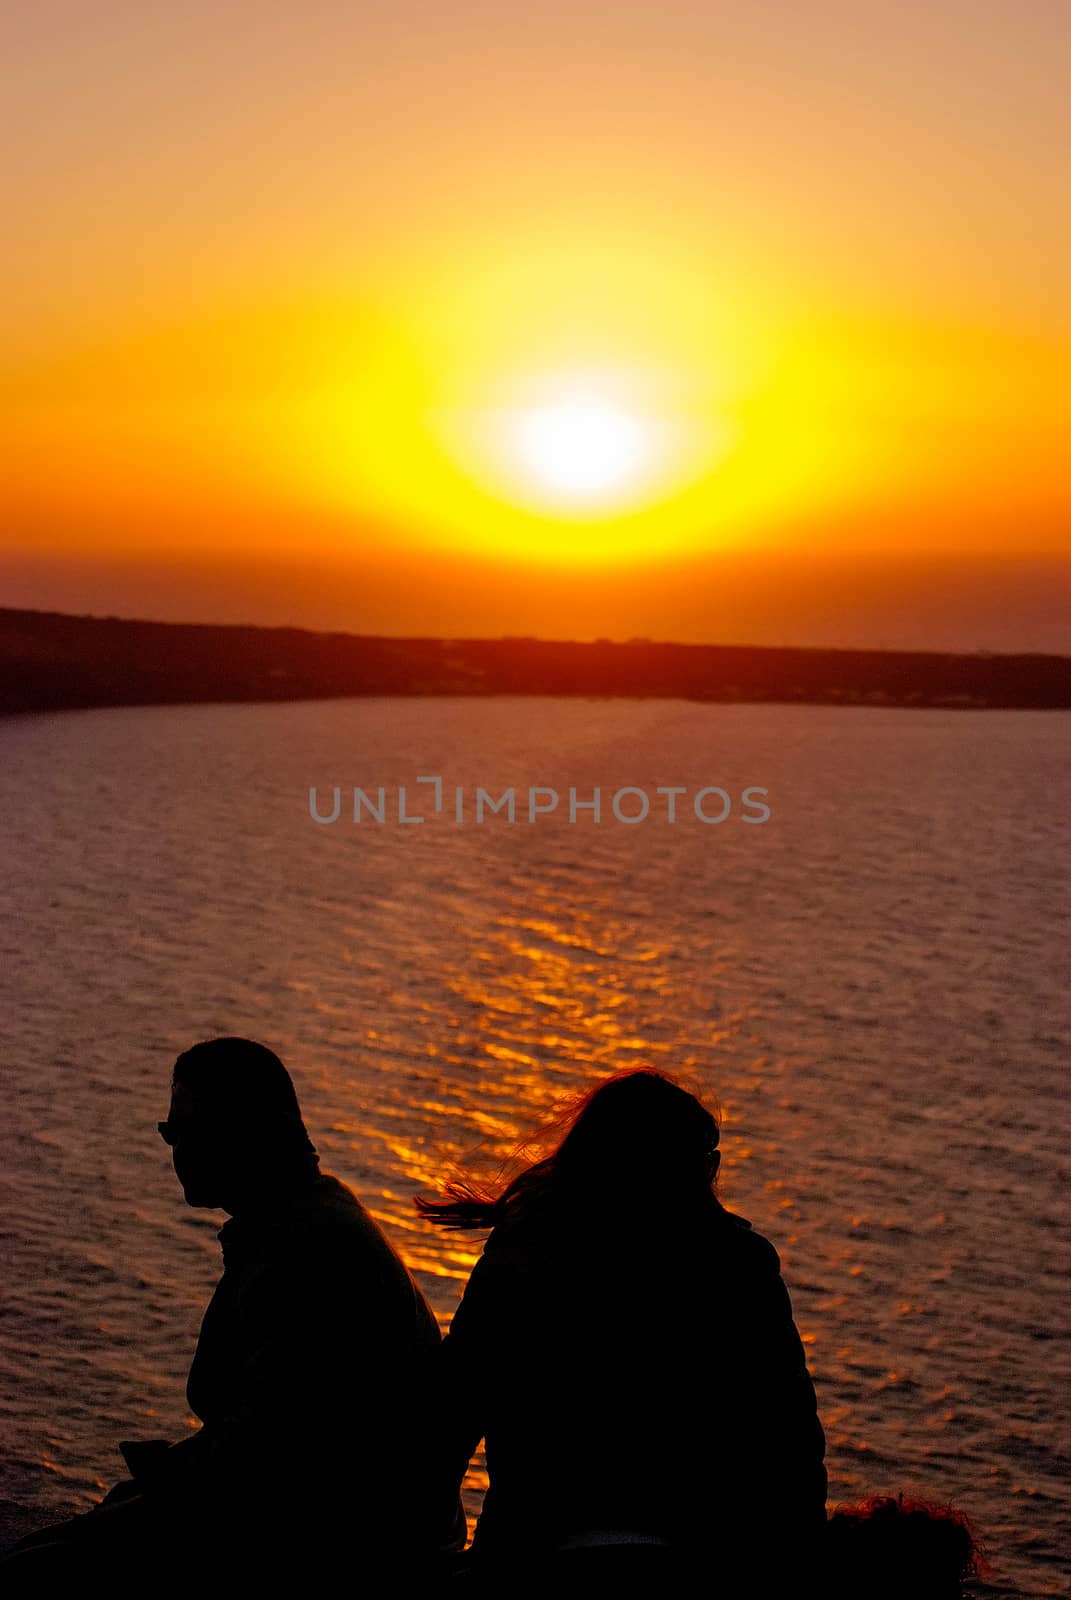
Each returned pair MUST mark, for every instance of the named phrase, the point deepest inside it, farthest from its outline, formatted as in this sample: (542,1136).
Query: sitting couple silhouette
(625,1347)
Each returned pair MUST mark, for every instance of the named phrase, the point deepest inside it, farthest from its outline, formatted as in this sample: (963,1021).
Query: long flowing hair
(636,1142)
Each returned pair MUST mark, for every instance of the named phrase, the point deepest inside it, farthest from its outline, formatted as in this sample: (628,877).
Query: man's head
(234,1125)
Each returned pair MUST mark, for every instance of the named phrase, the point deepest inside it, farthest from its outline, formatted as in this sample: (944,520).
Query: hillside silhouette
(50,661)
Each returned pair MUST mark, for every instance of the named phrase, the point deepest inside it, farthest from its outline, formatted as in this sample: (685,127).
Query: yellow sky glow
(447,412)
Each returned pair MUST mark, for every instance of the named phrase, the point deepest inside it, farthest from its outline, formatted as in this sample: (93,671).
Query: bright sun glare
(576,463)
(582,448)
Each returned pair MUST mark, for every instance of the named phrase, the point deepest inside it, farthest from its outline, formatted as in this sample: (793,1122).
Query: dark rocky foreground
(52,662)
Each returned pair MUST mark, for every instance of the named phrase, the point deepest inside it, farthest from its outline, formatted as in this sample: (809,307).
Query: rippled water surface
(873,985)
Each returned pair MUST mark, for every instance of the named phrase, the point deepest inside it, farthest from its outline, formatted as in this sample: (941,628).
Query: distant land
(50,661)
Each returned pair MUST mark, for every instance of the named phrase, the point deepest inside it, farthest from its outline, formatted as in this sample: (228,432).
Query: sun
(588,460)
(582,448)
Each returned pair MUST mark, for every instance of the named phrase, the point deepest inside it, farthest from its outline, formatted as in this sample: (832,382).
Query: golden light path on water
(543,986)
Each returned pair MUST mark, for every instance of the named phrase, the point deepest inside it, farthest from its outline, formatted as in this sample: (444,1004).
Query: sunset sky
(694,320)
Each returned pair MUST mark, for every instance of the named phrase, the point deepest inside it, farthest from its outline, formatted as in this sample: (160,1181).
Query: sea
(848,928)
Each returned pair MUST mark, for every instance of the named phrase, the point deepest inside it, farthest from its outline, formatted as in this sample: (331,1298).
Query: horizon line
(981,652)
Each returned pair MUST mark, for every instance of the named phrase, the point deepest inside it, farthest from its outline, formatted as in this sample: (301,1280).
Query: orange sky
(305,303)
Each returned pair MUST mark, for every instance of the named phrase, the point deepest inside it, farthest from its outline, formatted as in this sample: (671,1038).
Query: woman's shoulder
(529,1234)
(745,1241)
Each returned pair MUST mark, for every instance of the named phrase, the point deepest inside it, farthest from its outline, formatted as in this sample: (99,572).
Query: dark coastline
(50,661)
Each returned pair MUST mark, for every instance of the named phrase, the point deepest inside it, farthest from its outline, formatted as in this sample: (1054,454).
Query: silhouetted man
(311,1375)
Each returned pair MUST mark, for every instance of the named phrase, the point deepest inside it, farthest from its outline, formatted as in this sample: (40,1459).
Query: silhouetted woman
(626,1348)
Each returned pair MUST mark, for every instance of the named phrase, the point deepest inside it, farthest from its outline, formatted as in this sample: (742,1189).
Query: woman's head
(636,1142)
(638,1133)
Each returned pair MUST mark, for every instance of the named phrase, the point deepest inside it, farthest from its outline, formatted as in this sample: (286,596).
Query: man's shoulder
(329,1208)
(329,1242)
(329,1196)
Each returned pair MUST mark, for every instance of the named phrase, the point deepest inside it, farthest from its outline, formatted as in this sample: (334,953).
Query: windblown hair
(637,1135)
(891,1547)
(247,1088)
